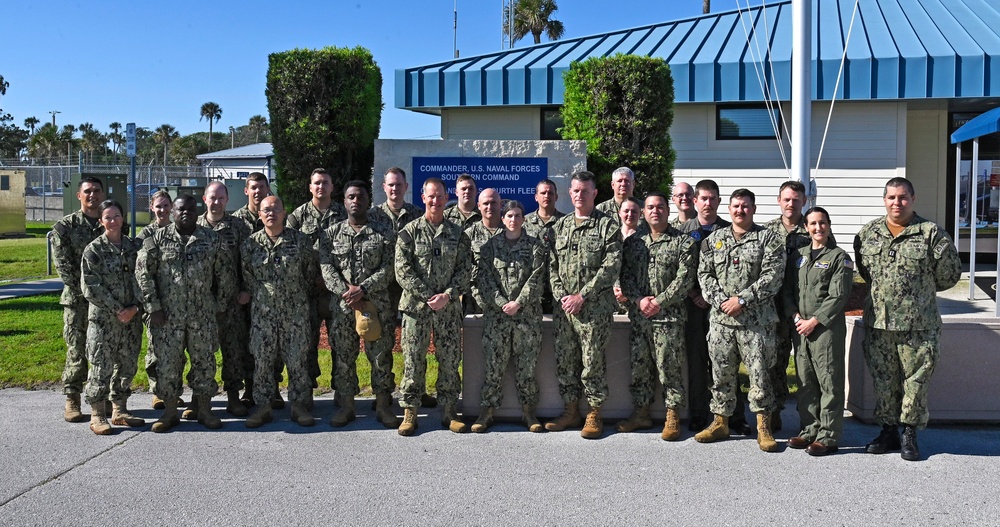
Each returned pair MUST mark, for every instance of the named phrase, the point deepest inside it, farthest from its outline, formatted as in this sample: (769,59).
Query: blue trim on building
(899,49)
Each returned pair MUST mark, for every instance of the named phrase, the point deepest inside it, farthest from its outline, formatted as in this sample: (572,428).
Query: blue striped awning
(899,49)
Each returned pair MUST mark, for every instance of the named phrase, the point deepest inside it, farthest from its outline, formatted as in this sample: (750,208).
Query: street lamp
(54,112)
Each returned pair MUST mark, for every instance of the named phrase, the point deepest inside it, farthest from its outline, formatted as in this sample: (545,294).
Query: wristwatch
(741,301)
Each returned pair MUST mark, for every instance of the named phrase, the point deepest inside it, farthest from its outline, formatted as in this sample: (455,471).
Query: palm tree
(115,137)
(257,124)
(164,135)
(66,135)
(31,122)
(535,17)
(46,143)
(212,112)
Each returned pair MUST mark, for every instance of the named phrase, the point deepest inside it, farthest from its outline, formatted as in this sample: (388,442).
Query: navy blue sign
(512,177)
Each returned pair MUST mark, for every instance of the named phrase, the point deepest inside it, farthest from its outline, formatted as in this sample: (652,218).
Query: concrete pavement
(60,473)
(35,287)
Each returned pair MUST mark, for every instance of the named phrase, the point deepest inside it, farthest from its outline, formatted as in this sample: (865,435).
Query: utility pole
(455,31)
(54,112)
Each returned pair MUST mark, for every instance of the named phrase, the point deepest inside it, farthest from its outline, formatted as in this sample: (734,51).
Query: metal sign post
(130,150)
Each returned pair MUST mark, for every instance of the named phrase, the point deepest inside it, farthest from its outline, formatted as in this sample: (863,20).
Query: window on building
(551,122)
(746,122)
(4,182)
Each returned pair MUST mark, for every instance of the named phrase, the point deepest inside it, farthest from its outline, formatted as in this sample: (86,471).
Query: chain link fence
(47,185)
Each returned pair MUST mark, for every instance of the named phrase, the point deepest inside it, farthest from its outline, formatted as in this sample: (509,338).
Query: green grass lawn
(34,350)
(23,259)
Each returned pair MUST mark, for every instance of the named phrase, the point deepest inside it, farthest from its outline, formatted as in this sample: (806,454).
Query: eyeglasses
(687,195)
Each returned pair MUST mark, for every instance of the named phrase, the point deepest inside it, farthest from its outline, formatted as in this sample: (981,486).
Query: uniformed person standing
(818,282)
(905,259)
(160,204)
(311,219)
(584,263)
(509,284)
(707,221)
(659,267)
(70,236)
(479,233)
(464,212)
(178,269)
(234,322)
(630,218)
(539,224)
(434,266)
(279,269)
(790,227)
(396,212)
(357,261)
(683,198)
(741,269)
(114,331)
(623,186)
(256,189)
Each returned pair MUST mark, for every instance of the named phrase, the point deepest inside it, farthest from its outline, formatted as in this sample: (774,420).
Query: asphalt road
(58,473)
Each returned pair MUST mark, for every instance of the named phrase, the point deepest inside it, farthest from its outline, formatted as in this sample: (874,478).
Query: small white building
(238,163)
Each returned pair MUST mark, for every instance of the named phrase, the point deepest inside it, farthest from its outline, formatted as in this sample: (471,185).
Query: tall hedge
(326,108)
(623,107)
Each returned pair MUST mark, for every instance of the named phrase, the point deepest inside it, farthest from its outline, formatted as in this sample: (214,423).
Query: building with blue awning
(913,72)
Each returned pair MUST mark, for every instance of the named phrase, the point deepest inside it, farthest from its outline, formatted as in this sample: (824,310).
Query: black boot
(738,425)
(908,448)
(887,441)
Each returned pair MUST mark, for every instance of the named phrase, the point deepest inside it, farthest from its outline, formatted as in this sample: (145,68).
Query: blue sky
(156,62)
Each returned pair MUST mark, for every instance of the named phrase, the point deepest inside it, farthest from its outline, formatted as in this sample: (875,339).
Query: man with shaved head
(479,233)
(234,322)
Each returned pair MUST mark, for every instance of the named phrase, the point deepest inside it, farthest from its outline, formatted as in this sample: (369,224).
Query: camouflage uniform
(72,234)
(177,275)
(478,235)
(365,258)
(454,215)
(751,268)
(541,229)
(146,232)
(108,283)
(384,215)
(311,222)
(795,239)
(511,273)
(278,276)
(699,365)
(234,322)
(664,268)
(431,260)
(251,218)
(818,285)
(903,326)
(611,209)
(585,259)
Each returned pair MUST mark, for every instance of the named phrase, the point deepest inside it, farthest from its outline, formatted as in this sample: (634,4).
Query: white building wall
(510,122)
(865,147)
(927,160)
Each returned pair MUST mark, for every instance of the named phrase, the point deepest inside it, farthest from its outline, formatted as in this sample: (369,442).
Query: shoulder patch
(848,263)
(696,235)
(718,245)
(941,247)
(801,261)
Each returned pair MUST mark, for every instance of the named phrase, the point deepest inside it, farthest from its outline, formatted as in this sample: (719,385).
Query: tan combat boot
(234,405)
(260,416)
(99,420)
(205,415)
(383,411)
(346,413)
(593,426)
(301,415)
(719,429)
(191,412)
(671,426)
(485,420)
(169,419)
(72,413)
(639,420)
(409,424)
(569,419)
(450,420)
(530,420)
(120,416)
(157,402)
(764,438)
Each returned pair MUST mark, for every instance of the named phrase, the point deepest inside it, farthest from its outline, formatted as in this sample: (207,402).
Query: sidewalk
(37,287)
(61,473)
